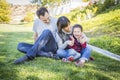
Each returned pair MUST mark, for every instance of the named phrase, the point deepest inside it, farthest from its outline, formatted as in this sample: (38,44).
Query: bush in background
(103,6)
(4,12)
(106,42)
(29,17)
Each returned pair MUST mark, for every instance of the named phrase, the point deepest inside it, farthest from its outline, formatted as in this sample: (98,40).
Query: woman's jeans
(44,44)
(84,54)
(68,52)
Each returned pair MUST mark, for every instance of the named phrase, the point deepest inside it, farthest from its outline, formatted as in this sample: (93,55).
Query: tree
(4,12)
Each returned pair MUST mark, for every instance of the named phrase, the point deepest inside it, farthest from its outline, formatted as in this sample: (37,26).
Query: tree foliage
(4,12)
(44,2)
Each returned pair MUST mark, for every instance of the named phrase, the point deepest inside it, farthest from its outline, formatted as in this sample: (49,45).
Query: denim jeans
(43,45)
(68,52)
(85,53)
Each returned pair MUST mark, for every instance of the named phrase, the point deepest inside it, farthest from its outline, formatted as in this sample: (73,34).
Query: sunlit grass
(40,68)
(103,68)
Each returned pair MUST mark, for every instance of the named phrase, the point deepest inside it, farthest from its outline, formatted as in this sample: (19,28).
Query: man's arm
(35,36)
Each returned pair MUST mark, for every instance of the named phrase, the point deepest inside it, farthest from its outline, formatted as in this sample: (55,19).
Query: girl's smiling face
(77,33)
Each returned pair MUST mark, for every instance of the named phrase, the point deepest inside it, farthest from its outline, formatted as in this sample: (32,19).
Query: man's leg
(46,42)
(44,54)
(45,39)
(24,47)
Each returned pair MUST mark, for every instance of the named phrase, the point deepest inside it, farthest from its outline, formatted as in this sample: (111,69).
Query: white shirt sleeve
(35,25)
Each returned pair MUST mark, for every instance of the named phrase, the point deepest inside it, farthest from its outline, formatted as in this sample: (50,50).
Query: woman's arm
(60,43)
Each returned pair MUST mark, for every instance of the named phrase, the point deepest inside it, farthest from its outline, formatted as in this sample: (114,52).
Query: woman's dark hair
(41,11)
(62,23)
(77,26)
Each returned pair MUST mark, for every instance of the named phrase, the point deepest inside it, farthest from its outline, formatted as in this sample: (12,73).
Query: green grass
(104,32)
(103,68)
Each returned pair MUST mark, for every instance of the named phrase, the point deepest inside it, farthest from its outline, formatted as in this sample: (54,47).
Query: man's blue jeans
(44,44)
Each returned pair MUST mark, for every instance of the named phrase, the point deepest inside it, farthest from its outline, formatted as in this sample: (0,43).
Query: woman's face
(67,29)
(77,33)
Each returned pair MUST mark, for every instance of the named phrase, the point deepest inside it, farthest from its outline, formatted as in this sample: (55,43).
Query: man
(45,30)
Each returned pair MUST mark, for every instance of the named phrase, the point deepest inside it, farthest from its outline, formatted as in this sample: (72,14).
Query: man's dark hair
(41,11)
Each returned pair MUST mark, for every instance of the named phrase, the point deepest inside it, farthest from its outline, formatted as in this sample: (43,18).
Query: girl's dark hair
(41,11)
(62,23)
(77,26)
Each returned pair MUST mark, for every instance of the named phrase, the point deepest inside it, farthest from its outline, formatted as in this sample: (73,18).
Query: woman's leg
(62,53)
(75,54)
(24,47)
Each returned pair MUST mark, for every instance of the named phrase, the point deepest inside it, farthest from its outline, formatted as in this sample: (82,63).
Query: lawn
(103,68)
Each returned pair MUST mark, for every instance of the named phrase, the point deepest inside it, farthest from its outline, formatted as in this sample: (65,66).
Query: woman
(64,32)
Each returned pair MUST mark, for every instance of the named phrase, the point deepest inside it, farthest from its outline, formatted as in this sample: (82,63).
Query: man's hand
(35,36)
(82,40)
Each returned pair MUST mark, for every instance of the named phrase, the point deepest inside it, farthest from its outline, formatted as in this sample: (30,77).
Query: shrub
(4,12)
(106,42)
(29,17)
(107,4)
(85,0)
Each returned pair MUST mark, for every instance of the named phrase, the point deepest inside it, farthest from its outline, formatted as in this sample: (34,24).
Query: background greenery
(103,30)
(4,12)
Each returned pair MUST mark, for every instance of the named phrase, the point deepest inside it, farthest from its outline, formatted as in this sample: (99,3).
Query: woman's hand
(71,43)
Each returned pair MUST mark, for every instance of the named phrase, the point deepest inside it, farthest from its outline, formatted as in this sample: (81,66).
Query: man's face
(45,18)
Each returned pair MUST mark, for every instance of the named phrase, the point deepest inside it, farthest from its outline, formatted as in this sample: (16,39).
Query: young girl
(67,49)
(80,45)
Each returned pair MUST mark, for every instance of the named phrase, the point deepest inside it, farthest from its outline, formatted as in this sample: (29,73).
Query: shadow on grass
(8,52)
(7,71)
(102,68)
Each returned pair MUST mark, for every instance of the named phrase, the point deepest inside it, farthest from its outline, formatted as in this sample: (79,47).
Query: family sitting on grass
(56,39)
